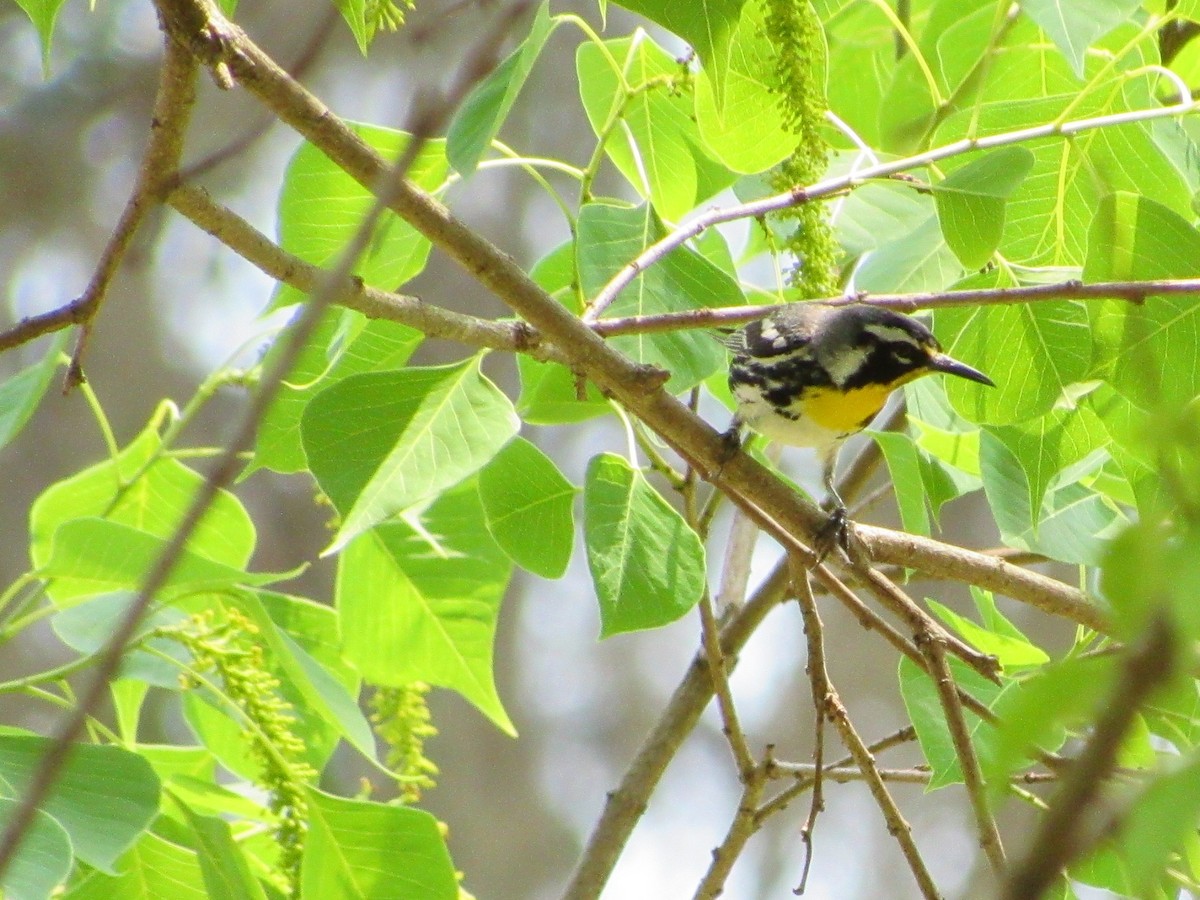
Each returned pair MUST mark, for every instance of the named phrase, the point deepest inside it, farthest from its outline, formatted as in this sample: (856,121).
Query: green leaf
(1033,352)
(646,563)
(419,601)
(550,393)
(1151,347)
(1147,572)
(609,237)
(655,144)
(709,26)
(924,708)
(21,393)
(875,213)
(148,494)
(345,343)
(747,131)
(153,868)
(1074,523)
(478,120)
(1046,446)
(88,625)
(222,863)
(1012,651)
(320,208)
(527,502)
(971,203)
(358,851)
(1074,25)
(1029,84)
(96,556)
(43,860)
(1038,714)
(904,466)
(43,14)
(383,442)
(916,262)
(104,797)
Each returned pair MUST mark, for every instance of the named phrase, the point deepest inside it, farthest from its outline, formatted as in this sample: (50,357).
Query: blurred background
(518,810)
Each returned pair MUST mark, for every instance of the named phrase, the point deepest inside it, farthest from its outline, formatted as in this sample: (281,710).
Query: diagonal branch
(252,245)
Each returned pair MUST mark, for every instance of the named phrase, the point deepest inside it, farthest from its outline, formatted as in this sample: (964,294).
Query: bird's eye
(905,353)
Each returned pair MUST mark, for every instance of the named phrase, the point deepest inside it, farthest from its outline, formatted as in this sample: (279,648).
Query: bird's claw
(834,533)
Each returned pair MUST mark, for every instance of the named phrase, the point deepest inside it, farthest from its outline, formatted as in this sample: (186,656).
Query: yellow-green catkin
(228,645)
(402,720)
(384,15)
(795,31)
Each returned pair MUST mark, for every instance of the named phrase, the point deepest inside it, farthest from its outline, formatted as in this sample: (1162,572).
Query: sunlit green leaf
(366,850)
(609,237)
(104,797)
(421,603)
(380,443)
(646,563)
(321,207)
(528,503)
(345,343)
(654,141)
(482,114)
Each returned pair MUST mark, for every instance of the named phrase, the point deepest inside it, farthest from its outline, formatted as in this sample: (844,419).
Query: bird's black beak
(943,363)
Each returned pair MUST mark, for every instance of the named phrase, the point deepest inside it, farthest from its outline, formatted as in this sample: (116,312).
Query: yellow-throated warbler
(813,374)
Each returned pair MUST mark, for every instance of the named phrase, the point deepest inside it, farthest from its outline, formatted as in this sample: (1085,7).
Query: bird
(814,374)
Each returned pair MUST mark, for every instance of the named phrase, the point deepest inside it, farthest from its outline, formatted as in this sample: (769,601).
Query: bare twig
(968,760)
(730,316)
(255,247)
(835,711)
(718,668)
(745,823)
(1069,827)
(985,570)
(626,803)
(172,110)
(805,773)
(822,690)
(305,59)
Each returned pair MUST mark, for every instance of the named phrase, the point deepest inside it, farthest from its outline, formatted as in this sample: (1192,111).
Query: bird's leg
(834,531)
(732,438)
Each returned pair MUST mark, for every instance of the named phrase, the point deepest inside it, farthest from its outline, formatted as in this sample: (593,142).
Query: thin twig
(822,690)
(255,247)
(718,668)
(731,316)
(304,60)
(744,825)
(172,110)
(172,107)
(968,760)
(625,804)
(833,709)
(984,570)
(805,773)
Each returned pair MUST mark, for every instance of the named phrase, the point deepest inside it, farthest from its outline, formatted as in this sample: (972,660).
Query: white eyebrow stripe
(891,333)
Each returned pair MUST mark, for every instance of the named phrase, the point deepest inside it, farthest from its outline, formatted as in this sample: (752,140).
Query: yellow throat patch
(849,411)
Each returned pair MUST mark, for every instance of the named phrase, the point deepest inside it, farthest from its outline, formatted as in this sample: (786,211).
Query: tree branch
(730,316)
